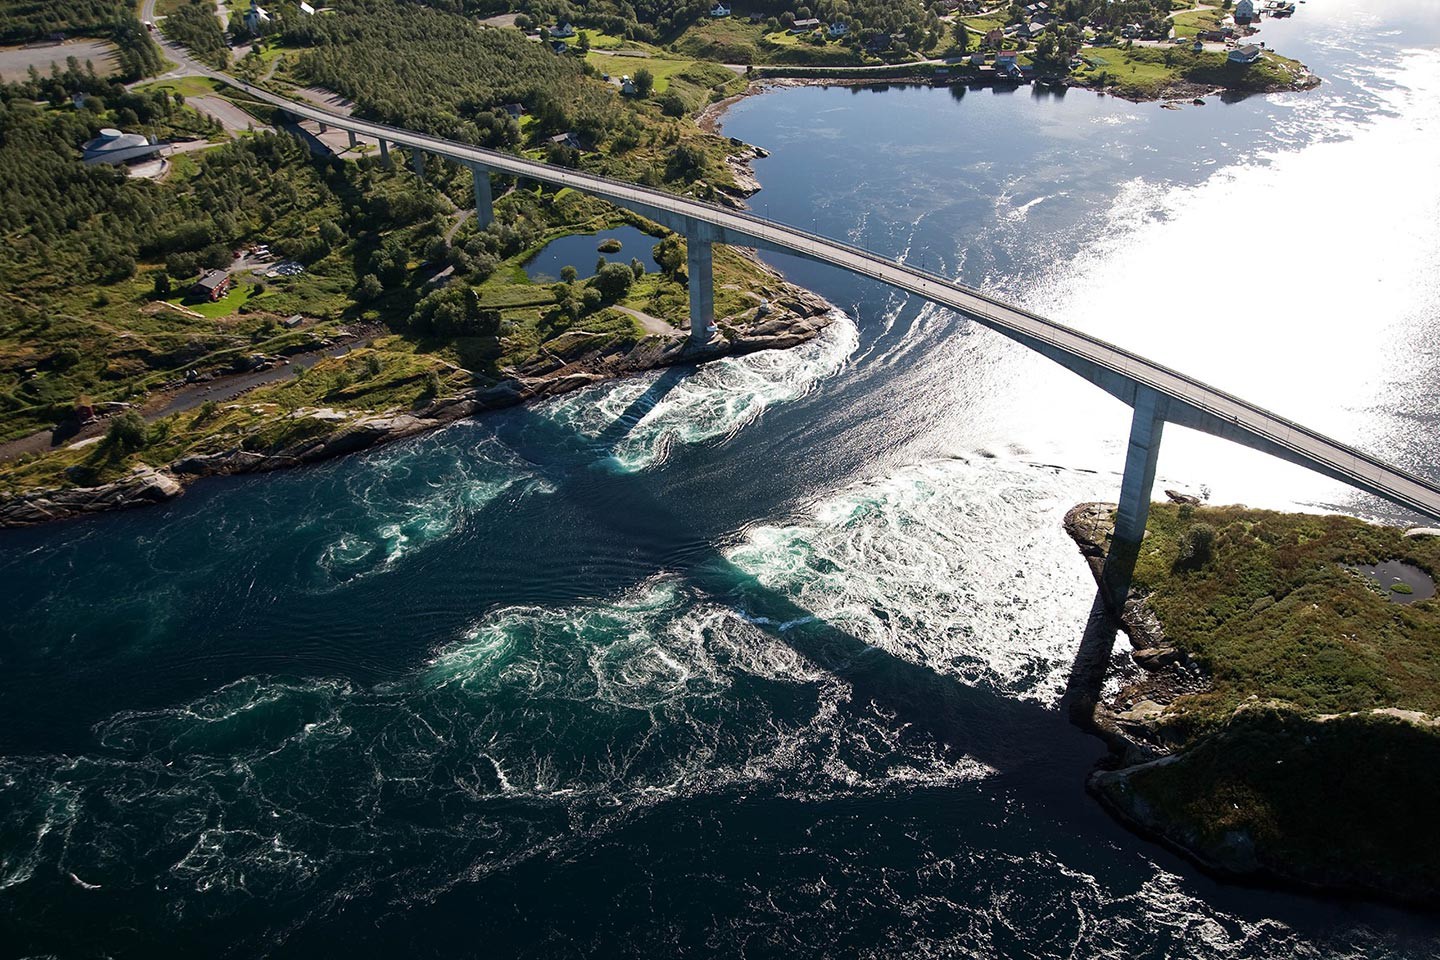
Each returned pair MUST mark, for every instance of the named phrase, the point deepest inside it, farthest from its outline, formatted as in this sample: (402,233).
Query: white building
(719,12)
(114,147)
(563,31)
(1244,11)
(838,29)
(306,9)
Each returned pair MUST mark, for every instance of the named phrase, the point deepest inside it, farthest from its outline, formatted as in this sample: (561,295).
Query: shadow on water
(608,439)
(1037,755)
(999,731)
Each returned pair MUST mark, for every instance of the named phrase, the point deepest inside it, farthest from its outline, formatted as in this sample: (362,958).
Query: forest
(36,19)
(431,71)
(195,26)
(444,74)
(664,20)
(89,248)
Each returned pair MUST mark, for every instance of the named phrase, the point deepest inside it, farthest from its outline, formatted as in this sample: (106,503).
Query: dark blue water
(579,250)
(761,658)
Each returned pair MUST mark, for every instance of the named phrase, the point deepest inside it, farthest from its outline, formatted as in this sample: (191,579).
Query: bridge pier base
(385,155)
(700,268)
(484,200)
(1146,428)
(418,158)
(354,141)
(324,129)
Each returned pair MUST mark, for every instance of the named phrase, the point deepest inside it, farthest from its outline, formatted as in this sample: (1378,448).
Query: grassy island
(1285,722)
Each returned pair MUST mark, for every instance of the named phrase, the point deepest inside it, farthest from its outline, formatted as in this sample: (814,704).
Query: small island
(1282,720)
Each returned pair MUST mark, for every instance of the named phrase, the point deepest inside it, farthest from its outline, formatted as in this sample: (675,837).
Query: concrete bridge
(1158,394)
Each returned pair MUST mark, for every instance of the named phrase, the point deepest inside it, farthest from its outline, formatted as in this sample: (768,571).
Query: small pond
(1402,582)
(578,250)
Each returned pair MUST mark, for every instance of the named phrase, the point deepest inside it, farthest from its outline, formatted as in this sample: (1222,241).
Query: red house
(212,285)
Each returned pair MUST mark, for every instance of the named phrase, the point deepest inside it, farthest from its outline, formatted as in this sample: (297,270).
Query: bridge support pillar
(353,140)
(699,266)
(385,155)
(418,158)
(323,128)
(1146,428)
(484,201)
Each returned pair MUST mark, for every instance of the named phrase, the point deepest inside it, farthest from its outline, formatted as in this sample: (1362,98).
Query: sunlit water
(759,658)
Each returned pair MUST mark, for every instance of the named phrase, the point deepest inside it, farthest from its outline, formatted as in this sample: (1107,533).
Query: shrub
(127,432)
(609,245)
(1196,544)
(672,105)
(369,287)
(613,281)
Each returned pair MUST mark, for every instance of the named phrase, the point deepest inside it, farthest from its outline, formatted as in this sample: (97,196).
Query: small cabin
(719,12)
(1245,55)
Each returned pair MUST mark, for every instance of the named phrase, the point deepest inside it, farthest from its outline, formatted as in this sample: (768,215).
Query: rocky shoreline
(794,318)
(1139,745)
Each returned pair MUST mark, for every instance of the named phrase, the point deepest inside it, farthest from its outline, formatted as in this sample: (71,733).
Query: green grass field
(662,68)
(1192,21)
(239,294)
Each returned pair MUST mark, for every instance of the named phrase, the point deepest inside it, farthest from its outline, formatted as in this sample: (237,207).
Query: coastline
(768,77)
(1148,758)
(797,317)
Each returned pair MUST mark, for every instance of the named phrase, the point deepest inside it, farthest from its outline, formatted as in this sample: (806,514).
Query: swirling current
(761,658)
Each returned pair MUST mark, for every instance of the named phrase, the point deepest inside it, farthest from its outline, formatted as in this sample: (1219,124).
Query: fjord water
(762,657)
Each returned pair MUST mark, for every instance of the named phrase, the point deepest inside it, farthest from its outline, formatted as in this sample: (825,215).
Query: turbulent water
(760,658)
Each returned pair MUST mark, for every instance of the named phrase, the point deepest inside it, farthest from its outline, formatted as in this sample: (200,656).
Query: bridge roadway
(1158,393)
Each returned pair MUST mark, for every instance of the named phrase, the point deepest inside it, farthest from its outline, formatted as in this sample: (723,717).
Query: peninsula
(1282,722)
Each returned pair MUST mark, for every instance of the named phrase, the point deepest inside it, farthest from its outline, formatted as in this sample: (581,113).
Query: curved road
(1185,400)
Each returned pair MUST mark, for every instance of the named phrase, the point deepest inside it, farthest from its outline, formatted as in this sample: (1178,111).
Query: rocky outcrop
(1177,790)
(1129,720)
(573,361)
(145,485)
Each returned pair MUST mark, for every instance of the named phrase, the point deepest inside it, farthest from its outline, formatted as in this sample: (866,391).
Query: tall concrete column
(418,157)
(353,140)
(385,154)
(699,265)
(323,128)
(484,202)
(1146,428)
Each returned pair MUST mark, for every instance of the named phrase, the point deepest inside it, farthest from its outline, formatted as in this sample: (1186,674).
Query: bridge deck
(1190,402)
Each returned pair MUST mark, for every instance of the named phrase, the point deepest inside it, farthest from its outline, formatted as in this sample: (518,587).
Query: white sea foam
(949,562)
(715,400)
